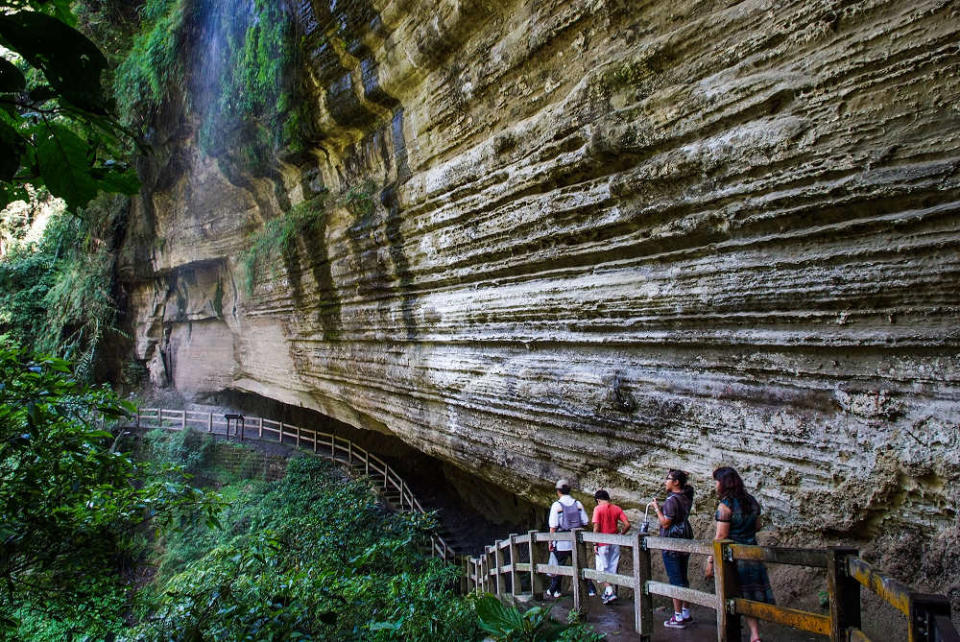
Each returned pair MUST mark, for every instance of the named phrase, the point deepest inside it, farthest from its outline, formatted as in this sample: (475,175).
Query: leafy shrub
(56,294)
(70,504)
(508,624)
(313,556)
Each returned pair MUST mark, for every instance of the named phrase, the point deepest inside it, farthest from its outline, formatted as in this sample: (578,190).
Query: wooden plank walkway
(515,569)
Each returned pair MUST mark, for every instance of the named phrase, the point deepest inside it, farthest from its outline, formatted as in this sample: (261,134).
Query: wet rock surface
(596,240)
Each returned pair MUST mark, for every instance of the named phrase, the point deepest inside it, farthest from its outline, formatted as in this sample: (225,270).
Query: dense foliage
(72,508)
(239,87)
(311,557)
(56,293)
(56,130)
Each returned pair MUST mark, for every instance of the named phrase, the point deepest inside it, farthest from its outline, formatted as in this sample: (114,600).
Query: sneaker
(609,598)
(549,595)
(675,623)
(592,592)
(688,619)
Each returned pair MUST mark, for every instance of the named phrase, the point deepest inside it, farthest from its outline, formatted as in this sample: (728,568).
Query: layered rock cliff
(597,239)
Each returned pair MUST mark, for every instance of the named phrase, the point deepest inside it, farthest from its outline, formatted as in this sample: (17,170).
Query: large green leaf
(11,78)
(66,57)
(65,167)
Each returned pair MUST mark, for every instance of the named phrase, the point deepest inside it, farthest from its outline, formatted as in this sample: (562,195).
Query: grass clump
(277,237)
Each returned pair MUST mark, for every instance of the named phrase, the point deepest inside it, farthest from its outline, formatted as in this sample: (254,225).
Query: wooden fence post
(642,600)
(281,432)
(537,556)
(514,558)
(844,592)
(726,587)
(260,428)
(500,582)
(578,560)
(210,422)
(484,567)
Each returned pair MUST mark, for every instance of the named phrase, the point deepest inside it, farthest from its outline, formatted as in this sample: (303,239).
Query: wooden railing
(323,444)
(520,560)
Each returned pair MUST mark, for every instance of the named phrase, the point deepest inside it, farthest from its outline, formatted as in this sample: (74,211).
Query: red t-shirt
(607,515)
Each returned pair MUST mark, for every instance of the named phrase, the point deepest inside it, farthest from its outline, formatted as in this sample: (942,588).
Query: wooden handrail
(164,416)
(928,615)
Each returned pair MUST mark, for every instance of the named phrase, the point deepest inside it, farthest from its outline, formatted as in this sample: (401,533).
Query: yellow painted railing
(519,560)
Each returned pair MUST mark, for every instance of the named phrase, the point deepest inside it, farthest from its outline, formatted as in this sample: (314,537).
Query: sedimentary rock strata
(598,239)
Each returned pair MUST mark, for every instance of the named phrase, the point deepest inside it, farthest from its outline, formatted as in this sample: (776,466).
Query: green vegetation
(242,94)
(55,294)
(72,509)
(143,79)
(534,625)
(278,236)
(55,125)
(311,557)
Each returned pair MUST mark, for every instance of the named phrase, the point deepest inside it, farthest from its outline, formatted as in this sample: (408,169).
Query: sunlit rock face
(599,239)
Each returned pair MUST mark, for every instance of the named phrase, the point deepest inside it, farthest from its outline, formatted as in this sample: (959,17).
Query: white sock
(685,614)
(678,616)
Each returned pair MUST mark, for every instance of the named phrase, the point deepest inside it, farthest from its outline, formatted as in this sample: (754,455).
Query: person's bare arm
(722,532)
(625,523)
(665,521)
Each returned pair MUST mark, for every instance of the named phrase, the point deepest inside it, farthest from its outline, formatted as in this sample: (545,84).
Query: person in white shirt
(566,514)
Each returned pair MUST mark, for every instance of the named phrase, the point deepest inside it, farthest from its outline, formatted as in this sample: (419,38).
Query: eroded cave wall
(602,239)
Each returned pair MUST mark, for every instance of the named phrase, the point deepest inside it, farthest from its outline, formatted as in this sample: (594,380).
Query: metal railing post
(260,428)
(210,422)
(642,600)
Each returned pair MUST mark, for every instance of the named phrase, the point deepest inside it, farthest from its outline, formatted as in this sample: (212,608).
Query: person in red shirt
(608,518)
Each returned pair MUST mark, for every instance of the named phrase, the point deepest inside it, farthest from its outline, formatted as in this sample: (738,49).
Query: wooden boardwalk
(391,487)
(515,569)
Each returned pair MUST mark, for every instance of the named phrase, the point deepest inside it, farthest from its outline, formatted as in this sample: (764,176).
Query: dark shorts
(676,565)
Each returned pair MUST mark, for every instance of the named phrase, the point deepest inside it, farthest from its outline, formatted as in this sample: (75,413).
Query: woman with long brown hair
(737,519)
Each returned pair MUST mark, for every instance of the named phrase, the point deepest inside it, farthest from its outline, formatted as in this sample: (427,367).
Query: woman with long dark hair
(737,519)
(675,522)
